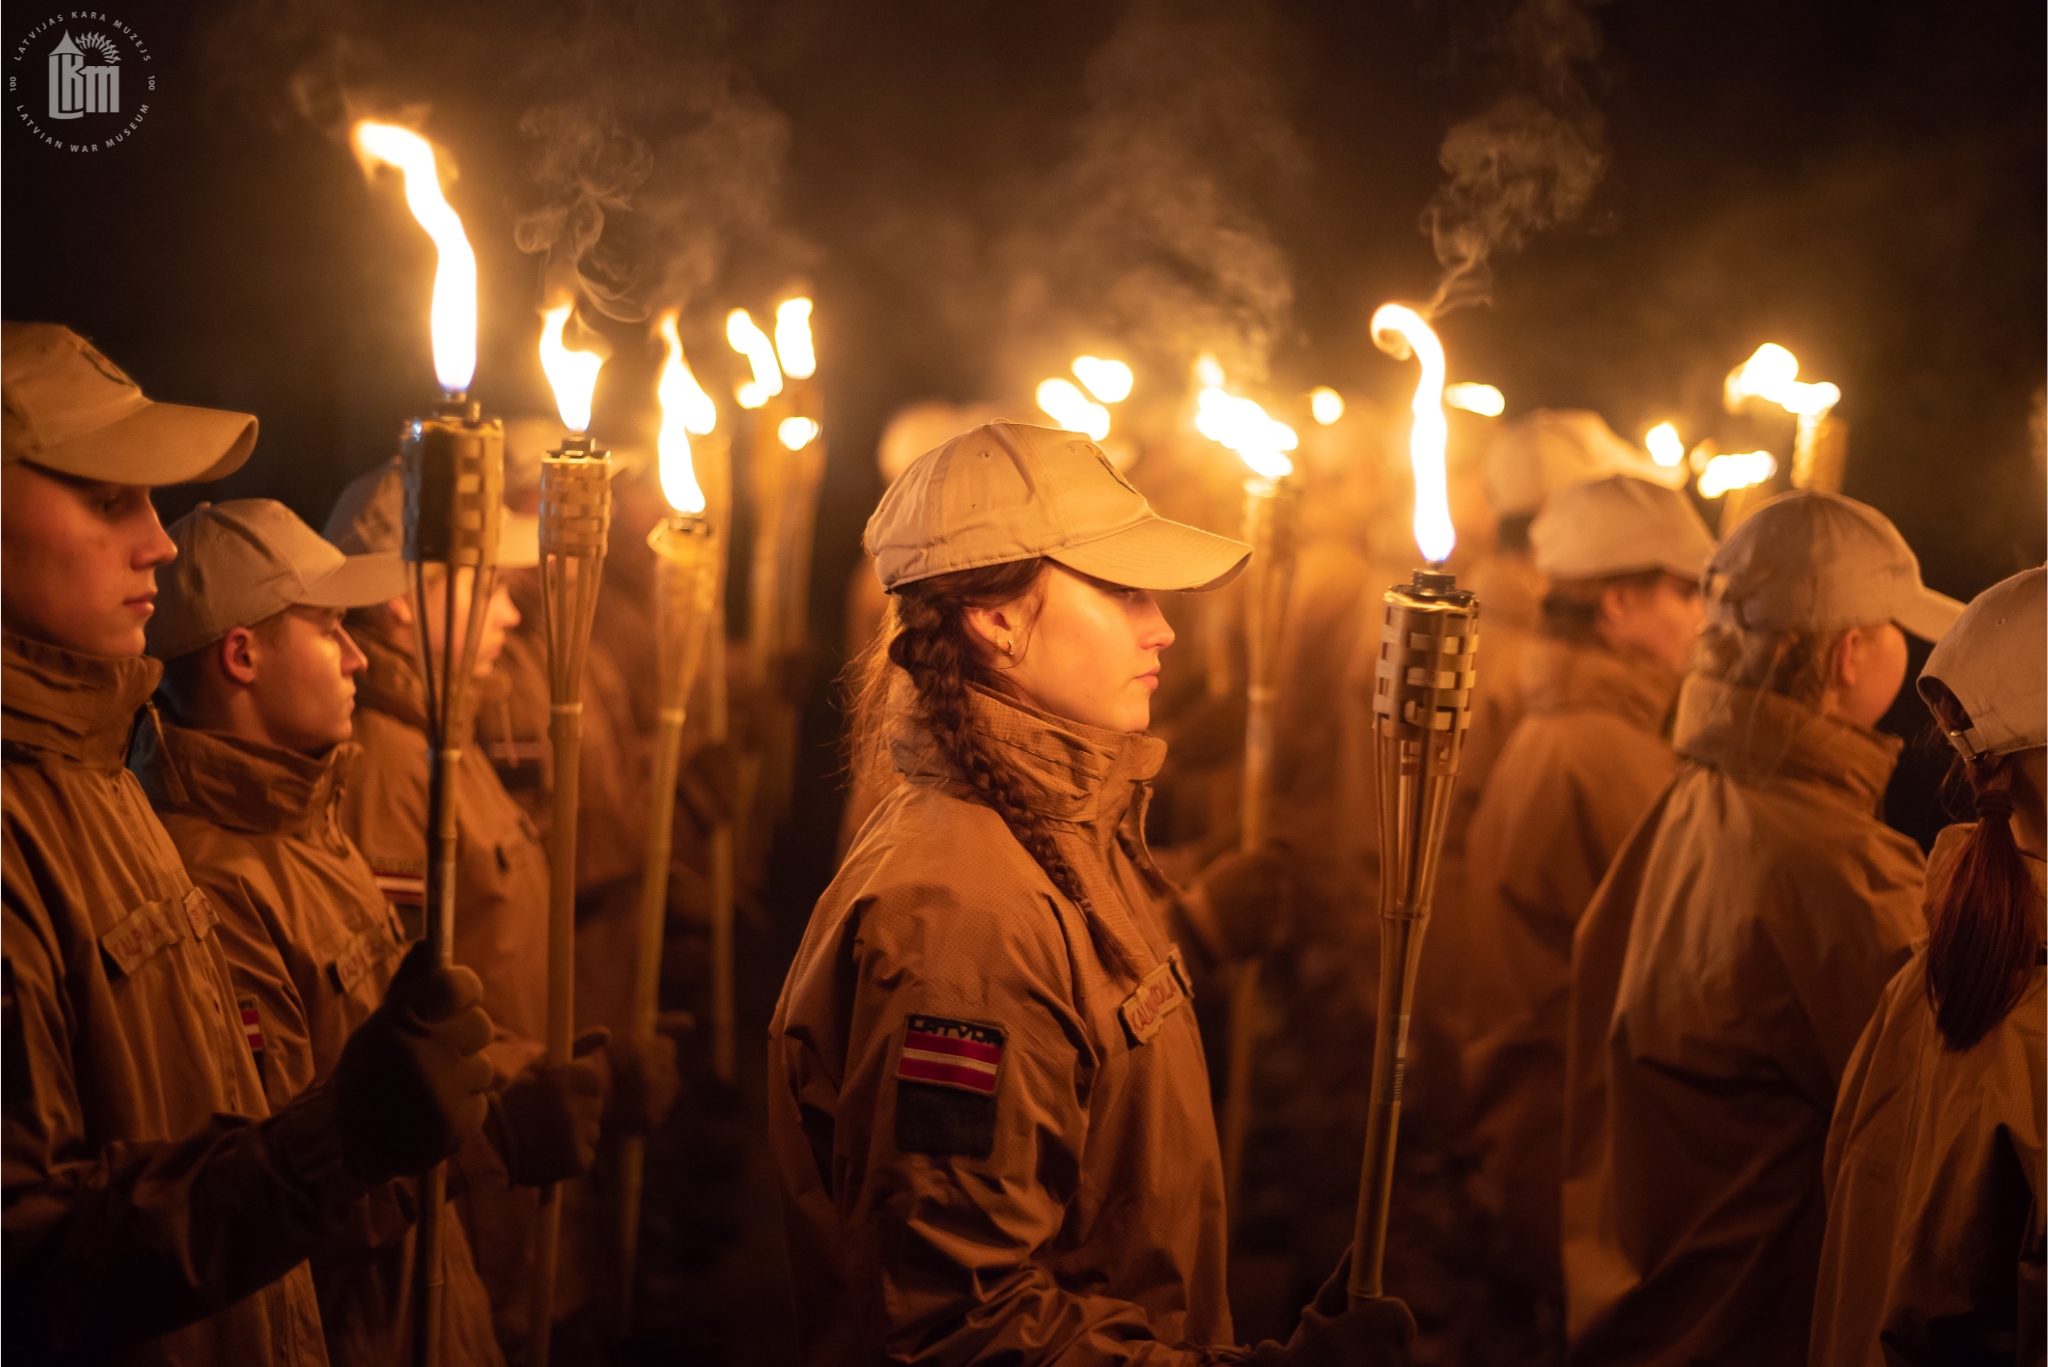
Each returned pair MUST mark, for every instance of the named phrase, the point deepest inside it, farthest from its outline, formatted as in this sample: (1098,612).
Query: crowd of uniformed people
(1707,1063)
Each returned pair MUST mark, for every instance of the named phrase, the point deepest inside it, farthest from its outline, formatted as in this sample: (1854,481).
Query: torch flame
(749,341)
(1772,374)
(1239,423)
(453,318)
(1664,444)
(1109,381)
(1400,332)
(1483,399)
(1738,471)
(685,408)
(571,374)
(1073,410)
(793,340)
(797,433)
(1325,405)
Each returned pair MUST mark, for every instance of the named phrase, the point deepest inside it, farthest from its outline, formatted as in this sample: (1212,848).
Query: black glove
(1335,1333)
(645,1082)
(412,1080)
(544,1122)
(1250,898)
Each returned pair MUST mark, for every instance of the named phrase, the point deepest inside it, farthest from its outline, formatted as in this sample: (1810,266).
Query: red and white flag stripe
(950,1060)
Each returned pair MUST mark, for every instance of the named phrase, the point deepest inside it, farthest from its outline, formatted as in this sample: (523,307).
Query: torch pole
(686,580)
(453,468)
(718,728)
(1270,508)
(1422,705)
(575,519)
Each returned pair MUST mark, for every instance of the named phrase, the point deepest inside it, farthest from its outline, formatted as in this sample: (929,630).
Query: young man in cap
(501,866)
(1736,949)
(246,772)
(155,1208)
(1623,559)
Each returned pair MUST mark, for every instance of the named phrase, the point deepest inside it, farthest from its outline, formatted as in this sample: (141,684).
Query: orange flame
(1401,332)
(793,339)
(685,408)
(749,341)
(571,374)
(453,316)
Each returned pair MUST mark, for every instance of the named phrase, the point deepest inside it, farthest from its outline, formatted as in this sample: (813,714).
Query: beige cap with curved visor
(1005,492)
(1619,525)
(370,516)
(1995,660)
(1813,561)
(67,408)
(251,558)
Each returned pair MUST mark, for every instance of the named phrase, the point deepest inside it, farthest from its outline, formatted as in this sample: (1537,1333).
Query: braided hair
(925,640)
(1982,946)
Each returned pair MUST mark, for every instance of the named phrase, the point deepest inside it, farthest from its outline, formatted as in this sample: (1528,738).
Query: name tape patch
(1159,994)
(950,1053)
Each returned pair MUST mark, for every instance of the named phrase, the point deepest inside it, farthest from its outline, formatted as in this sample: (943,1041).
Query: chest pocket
(359,954)
(153,927)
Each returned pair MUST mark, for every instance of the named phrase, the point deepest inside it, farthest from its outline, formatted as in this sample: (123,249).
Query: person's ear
(1615,602)
(237,654)
(400,609)
(1846,667)
(998,630)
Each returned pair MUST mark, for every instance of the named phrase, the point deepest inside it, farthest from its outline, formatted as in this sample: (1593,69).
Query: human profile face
(1089,653)
(300,677)
(1661,621)
(78,560)
(499,617)
(1865,674)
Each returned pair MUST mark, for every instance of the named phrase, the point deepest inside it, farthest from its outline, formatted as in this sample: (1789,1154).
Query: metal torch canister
(1271,509)
(686,581)
(575,524)
(1422,705)
(452,466)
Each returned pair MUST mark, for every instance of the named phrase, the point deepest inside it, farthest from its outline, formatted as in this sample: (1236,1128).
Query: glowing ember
(1665,446)
(1401,332)
(1772,374)
(571,374)
(1073,410)
(793,341)
(1740,470)
(797,433)
(1325,405)
(453,316)
(1240,424)
(1109,381)
(1482,399)
(685,408)
(752,343)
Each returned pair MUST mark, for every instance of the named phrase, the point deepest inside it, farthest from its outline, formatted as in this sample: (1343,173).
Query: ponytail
(1982,940)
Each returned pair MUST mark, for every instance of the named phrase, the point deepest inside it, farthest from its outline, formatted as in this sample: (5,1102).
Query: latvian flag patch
(949,1053)
(405,884)
(252,1025)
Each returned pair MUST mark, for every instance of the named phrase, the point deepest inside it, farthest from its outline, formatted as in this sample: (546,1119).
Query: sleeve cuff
(306,1137)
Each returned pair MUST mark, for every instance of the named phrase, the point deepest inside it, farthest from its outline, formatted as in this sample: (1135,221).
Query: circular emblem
(80,81)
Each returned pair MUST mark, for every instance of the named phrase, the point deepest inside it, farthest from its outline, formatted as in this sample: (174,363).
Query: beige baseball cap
(250,558)
(370,516)
(1548,449)
(1812,561)
(1619,525)
(67,408)
(1995,661)
(1005,492)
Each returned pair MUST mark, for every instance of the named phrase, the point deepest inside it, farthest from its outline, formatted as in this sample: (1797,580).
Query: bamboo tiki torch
(686,579)
(1270,502)
(1422,705)
(575,520)
(453,468)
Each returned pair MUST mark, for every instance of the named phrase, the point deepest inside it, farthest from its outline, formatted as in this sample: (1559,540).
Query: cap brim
(164,443)
(1927,614)
(1158,555)
(361,581)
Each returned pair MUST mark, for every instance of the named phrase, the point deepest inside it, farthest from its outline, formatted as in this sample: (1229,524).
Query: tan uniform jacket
(312,943)
(143,1189)
(1587,760)
(501,917)
(1720,979)
(1934,1175)
(991,1148)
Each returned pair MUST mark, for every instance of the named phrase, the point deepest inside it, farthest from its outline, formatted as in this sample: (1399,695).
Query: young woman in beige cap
(1934,1164)
(1743,934)
(988,1100)
(1623,559)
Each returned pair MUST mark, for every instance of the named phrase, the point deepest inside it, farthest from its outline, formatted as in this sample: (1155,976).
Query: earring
(1009,647)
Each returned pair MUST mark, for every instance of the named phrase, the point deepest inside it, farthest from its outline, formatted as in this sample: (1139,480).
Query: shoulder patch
(1159,994)
(950,1053)
(405,883)
(946,1076)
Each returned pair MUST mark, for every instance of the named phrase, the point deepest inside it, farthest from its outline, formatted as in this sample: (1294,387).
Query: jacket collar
(1558,676)
(391,683)
(77,706)
(1084,777)
(238,784)
(1760,738)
